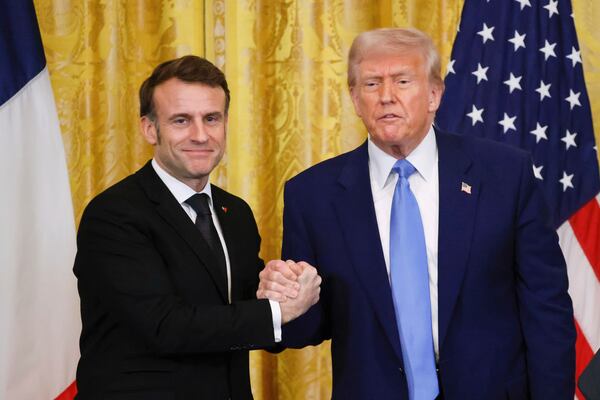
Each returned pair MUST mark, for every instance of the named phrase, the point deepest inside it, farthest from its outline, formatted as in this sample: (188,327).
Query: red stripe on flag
(583,356)
(69,393)
(586,226)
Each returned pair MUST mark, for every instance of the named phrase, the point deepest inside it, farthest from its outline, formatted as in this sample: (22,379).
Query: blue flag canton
(515,76)
(21,51)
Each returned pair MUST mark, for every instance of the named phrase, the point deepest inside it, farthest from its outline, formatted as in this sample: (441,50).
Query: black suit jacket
(156,319)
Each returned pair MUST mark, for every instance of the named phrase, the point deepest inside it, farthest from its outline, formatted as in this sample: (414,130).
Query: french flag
(39,307)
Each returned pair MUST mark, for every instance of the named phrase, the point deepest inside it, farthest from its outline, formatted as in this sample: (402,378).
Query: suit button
(401,370)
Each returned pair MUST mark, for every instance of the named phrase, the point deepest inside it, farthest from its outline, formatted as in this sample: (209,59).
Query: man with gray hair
(442,275)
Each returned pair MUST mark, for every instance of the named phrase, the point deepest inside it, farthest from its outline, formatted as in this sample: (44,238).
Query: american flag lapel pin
(224,209)
(465,187)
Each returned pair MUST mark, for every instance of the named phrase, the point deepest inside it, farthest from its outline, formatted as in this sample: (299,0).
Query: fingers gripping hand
(297,268)
(278,281)
(308,295)
(310,285)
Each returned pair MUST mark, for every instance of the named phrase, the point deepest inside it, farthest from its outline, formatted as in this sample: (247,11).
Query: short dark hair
(189,68)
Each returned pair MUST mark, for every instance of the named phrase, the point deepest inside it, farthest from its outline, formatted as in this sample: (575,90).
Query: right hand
(279,280)
(308,295)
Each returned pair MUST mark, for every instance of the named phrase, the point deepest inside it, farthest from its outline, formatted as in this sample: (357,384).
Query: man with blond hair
(442,275)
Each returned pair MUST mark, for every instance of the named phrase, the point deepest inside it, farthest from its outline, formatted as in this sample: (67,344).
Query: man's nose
(386,92)
(198,132)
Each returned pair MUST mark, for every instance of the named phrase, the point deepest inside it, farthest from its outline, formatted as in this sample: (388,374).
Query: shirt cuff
(276,313)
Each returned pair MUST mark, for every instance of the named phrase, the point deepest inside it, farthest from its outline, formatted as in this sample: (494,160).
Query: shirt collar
(423,158)
(180,190)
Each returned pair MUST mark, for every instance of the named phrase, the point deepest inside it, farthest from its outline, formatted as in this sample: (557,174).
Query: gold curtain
(285,61)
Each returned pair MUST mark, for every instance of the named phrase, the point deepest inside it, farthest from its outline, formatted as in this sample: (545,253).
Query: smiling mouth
(199,152)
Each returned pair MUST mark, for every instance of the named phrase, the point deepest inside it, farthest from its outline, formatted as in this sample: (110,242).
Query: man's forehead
(381,54)
(175,85)
(175,93)
(395,63)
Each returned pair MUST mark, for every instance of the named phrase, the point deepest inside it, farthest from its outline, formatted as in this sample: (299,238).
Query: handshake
(296,286)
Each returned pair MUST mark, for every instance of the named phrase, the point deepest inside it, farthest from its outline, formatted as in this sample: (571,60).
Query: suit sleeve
(545,307)
(121,272)
(312,327)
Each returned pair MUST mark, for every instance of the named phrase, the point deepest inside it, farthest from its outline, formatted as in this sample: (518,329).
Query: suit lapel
(356,214)
(459,189)
(226,215)
(173,214)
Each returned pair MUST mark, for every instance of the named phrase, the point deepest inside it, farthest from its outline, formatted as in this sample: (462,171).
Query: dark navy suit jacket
(506,327)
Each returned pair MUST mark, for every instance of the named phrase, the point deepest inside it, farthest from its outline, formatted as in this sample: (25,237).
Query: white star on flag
(480,73)
(523,3)
(544,90)
(486,33)
(537,171)
(566,181)
(508,123)
(548,50)
(475,115)
(573,98)
(539,132)
(575,56)
(569,139)
(450,67)
(552,8)
(518,40)
(513,82)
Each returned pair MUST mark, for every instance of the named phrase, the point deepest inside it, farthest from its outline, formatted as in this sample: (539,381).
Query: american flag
(515,76)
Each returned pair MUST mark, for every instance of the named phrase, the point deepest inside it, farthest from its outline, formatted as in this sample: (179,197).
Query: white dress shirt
(182,192)
(425,186)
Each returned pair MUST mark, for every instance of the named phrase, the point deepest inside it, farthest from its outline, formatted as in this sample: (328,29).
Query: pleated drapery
(285,62)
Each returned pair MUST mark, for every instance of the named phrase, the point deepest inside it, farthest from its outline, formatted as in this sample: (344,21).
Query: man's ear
(435,96)
(354,97)
(148,130)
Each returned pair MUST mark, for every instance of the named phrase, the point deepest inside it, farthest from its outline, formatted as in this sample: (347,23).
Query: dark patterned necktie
(204,223)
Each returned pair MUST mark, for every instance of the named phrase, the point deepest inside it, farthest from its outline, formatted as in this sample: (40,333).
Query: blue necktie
(410,288)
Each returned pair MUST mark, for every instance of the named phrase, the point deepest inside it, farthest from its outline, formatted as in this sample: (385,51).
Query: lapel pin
(224,209)
(465,187)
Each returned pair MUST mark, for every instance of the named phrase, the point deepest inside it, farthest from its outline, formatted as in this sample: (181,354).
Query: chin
(200,172)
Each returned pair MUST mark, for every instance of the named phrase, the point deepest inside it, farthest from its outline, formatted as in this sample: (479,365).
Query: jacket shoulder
(326,171)
(123,191)
(126,198)
(483,149)
(229,199)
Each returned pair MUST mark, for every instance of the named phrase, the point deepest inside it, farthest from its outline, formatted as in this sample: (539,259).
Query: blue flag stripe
(21,51)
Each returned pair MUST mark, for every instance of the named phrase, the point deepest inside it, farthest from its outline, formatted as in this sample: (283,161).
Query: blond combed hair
(394,40)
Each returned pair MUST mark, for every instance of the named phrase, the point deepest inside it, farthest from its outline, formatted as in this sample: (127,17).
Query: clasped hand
(296,286)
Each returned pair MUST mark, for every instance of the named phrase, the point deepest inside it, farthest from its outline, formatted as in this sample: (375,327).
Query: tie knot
(199,202)
(404,168)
